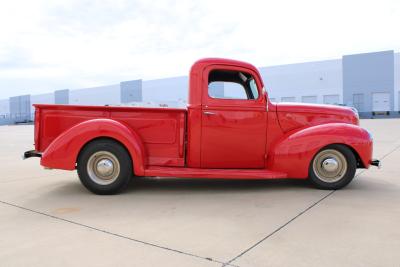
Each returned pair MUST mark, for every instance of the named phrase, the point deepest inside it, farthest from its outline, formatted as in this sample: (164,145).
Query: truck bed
(162,130)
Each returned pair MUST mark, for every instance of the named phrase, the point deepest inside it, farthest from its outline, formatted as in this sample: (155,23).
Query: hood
(296,115)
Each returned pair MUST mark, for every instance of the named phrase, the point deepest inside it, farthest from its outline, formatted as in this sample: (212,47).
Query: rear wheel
(333,167)
(104,167)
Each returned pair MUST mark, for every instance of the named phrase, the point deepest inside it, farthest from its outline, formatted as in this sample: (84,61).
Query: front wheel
(104,167)
(333,167)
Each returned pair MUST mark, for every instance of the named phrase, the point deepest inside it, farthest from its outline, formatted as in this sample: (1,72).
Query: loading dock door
(331,99)
(309,99)
(380,102)
(288,99)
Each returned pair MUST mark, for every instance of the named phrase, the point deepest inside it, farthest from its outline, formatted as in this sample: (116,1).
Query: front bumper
(31,153)
(376,162)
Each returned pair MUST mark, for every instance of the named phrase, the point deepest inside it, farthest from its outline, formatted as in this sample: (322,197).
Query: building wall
(131,91)
(41,99)
(339,81)
(103,95)
(5,112)
(365,74)
(304,81)
(397,82)
(4,106)
(61,97)
(166,90)
(20,108)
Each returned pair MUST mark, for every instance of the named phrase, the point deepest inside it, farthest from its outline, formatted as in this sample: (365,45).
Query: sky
(46,45)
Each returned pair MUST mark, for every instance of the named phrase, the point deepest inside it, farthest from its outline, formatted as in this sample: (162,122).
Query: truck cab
(230,129)
(232,106)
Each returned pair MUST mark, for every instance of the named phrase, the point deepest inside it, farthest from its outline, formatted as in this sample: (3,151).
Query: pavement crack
(391,151)
(280,227)
(228,263)
(110,233)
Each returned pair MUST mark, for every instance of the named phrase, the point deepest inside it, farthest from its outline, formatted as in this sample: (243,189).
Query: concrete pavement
(47,218)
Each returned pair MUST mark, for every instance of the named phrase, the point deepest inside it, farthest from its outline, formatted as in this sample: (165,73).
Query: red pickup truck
(230,130)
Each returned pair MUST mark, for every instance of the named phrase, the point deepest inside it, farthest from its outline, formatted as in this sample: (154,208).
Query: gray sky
(47,44)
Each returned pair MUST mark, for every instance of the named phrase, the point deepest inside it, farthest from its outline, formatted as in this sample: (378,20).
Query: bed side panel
(162,130)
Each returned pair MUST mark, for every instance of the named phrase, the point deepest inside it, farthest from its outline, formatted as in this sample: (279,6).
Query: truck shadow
(217,185)
(172,186)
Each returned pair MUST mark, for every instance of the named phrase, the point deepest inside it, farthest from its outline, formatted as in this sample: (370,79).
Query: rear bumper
(31,153)
(376,162)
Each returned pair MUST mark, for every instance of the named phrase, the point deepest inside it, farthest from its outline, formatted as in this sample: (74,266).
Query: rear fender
(63,152)
(293,153)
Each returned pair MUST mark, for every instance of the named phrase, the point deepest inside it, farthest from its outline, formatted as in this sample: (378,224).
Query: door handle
(209,113)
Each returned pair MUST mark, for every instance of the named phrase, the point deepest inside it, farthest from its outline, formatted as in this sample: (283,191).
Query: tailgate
(36,139)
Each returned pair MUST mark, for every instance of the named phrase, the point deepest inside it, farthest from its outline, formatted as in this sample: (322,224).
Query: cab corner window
(224,84)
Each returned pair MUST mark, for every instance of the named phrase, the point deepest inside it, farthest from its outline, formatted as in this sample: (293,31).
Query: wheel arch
(360,164)
(98,138)
(293,153)
(63,152)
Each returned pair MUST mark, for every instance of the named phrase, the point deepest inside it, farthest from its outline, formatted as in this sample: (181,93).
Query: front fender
(63,152)
(293,152)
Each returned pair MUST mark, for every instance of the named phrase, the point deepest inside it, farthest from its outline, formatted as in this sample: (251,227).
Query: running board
(213,173)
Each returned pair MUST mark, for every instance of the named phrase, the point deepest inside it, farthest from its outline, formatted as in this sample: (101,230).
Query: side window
(226,84)
(227,90)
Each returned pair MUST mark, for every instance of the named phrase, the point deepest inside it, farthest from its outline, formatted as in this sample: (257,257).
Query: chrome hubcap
(330,165)
(103,167)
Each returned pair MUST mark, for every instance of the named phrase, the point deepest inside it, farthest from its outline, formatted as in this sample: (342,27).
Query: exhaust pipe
(377,163)
(31,153)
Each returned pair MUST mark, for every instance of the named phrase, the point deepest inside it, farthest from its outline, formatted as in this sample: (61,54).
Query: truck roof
(222,61)
(196,71)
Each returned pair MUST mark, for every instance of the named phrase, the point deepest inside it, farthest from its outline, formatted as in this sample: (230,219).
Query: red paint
(250,139)
(294,115)
(293,151)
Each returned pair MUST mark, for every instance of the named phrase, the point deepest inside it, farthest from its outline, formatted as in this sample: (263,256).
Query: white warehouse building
(312,82)
(369,82)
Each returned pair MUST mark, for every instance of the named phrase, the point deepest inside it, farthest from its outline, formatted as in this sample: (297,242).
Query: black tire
(104,167)
(322,178)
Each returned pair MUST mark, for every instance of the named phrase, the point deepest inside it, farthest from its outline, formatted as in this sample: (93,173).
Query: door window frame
(210,101)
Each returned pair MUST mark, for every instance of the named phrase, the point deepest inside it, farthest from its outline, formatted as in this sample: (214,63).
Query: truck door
(234,119)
